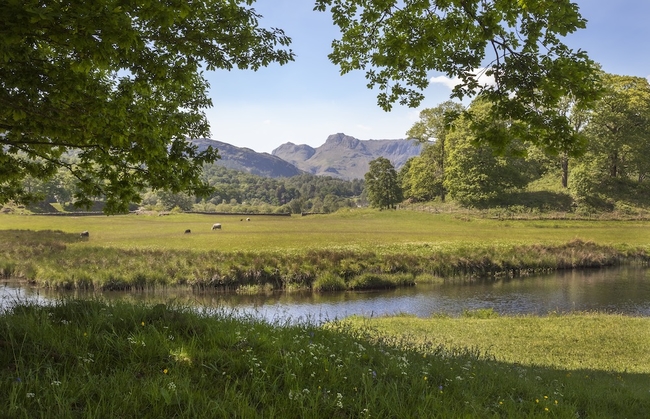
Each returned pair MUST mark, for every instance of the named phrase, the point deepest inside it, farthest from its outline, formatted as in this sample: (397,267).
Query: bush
(329,282)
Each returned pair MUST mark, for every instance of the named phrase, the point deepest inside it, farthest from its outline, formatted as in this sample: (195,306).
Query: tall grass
(363,248)
(58,261)
(91,359)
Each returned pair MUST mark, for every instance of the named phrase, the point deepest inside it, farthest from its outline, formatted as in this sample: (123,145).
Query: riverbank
(344,251)
(91,359)
(48,259)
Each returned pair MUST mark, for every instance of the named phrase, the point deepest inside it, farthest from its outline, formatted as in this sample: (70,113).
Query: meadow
(352,249)
(90,358)
(93,359)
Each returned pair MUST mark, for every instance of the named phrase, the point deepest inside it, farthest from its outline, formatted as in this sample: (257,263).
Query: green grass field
(92,359)
(95,360)
(353,249)
(356,228)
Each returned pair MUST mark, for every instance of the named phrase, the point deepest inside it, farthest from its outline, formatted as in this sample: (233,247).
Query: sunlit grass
(576,341)
(90,359)
(363,248)
(356,228)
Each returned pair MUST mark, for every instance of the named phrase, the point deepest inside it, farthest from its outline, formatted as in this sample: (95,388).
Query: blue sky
(305,101)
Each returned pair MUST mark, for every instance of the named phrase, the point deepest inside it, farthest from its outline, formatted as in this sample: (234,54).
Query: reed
(138,252)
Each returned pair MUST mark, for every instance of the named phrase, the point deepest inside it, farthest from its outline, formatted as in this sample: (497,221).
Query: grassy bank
(347,250)
(89,359)
(586,341)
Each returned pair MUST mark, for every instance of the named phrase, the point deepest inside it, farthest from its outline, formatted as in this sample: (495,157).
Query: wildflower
(339,400)
(546,409)
(30,395)
(56,383)
(165,371)
(425,378)
(171,386)
(142,323)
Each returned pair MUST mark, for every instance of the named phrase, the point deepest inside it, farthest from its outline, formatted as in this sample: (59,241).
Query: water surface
(624,290)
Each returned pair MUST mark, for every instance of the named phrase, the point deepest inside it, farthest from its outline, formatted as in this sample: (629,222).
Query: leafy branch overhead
(112,90)
(515,44)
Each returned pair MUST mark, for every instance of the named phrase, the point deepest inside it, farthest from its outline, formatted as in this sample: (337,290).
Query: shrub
(329,282)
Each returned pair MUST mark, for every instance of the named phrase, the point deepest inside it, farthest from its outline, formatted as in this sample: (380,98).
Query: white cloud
(479,73)
(364,127)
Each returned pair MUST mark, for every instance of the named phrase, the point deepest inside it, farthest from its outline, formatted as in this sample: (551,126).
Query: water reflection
(623,290)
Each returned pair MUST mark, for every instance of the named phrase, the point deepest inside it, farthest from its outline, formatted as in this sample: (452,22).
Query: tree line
(605,167)
(232,191)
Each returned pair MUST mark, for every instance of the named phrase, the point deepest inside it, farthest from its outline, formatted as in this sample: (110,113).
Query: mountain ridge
(346,157)
(341,156)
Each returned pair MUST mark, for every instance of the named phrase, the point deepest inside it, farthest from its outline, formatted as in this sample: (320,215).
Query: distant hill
(247,160)
(346,157)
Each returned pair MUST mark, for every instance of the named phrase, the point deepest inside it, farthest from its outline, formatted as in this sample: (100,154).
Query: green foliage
(475,173)
(620,128)
(93,359)
(120,87)
(399,45)
(382,186)
(423,178)
(329,282)
(302,193)
(614,170)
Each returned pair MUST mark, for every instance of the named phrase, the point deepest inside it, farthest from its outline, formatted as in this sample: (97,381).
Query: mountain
(247,160)
(346,157)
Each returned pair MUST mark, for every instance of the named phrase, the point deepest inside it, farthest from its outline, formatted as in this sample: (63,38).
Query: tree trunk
(613,164)
(565,170)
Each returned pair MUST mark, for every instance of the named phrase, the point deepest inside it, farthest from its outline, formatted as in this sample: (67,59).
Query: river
(624,290)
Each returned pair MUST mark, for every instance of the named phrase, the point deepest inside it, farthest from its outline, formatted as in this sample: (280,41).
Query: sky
(307,100)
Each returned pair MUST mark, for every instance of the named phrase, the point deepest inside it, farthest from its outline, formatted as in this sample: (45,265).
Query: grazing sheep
(85,234)
(216,226)
(188,231)
(248,219)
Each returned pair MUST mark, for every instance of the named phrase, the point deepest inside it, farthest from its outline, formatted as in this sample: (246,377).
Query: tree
(119,86)
(434,124)
(620,126)
(421,178)
(578,116)
(475,173)
(398,43)
(616,163)
(382,185)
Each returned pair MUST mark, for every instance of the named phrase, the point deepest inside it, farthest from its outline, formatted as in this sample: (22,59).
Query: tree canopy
(112,90)
(515,43)
(382,186)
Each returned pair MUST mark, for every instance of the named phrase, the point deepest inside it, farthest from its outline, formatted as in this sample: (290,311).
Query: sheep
(84,234)
(248,219)
(188,231)
(216,226)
